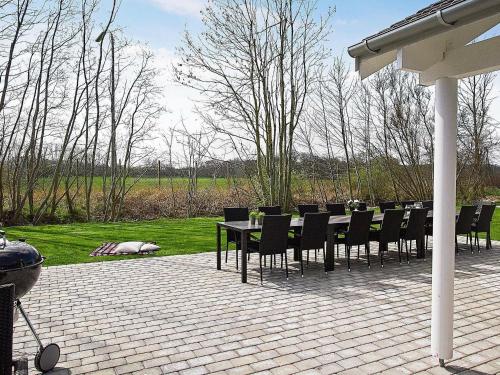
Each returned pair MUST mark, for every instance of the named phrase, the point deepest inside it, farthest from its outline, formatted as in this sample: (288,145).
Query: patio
(180,315)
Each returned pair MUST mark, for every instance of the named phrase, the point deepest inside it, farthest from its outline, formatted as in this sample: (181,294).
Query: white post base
(443,252)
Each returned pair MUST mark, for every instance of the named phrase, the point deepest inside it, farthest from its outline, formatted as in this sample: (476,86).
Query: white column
(443,249)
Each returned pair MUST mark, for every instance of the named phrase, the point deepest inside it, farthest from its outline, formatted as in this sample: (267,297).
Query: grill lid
(18,255)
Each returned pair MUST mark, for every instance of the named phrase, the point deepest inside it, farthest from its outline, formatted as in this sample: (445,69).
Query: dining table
(245,228)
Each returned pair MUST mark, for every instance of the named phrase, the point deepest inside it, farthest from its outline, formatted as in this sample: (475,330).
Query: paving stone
(181,316)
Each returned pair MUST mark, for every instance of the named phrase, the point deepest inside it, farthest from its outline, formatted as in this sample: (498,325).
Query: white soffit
(435,56)
(470,60)
(367,66)
(422,55)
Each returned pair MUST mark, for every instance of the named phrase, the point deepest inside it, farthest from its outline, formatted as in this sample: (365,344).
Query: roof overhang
(429,45)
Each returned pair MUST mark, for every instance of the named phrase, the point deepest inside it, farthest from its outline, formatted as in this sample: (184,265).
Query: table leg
(420,248)
(296,252)
(244,238)
(330,249)
(219,255)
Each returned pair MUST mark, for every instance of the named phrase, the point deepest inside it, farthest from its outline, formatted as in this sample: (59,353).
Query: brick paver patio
(179,315)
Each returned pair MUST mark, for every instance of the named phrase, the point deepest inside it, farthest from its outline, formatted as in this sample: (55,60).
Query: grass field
(72,243)
(151,182)
(493,191)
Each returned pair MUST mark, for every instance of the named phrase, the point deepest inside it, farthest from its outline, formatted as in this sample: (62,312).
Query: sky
(161,23)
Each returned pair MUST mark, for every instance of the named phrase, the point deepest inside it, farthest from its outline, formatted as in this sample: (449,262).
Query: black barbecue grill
(20,265)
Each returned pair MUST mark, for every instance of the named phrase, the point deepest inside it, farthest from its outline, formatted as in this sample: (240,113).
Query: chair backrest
(362,206)
(403,204)
(479,204)
(485,217)
(314,230)
(359,228)
(304,208)
(465,219)
(387,206)
(336,208)
(6,327)
(391,225)
(415,228)
(235,213)
(270,210)
(274,237)
(428,204)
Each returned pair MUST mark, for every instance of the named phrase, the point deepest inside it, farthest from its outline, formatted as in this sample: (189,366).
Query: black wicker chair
(414,230)
(428,204)
(273,239)
(6,328)
(483,224)
(429,230)
(403,204)
(357,234)
(387,206)
(389,232)
(307,208)
(312,236)
(270,210)
(479,204)
(336,209)
(464,224)
(234,214)
(362,206)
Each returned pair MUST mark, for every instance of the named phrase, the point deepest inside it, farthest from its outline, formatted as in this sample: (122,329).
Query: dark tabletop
(245,226)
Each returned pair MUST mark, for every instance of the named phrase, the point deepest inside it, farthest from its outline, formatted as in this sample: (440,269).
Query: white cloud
(179,99)
(181,7)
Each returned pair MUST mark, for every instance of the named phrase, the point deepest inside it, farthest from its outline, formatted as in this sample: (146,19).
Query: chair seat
(403,234)
(294,241)
(340,238)
(253,245)
(375,235)
(237,240)
(476,228)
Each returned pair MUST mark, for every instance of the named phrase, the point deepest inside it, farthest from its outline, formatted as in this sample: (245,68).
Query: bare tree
(403,138)
(59,110)
(363,107)
(196,146)
(255,64)
(136,111)
(477,136)
(332,107)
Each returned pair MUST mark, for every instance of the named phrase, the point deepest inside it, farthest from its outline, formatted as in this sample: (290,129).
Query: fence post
(159,174)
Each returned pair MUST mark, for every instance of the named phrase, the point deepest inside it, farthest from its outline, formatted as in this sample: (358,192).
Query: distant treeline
(81,108)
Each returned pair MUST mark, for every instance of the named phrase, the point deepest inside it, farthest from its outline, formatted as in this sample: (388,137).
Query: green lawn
(72,243)
(151,182)
(495,225)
